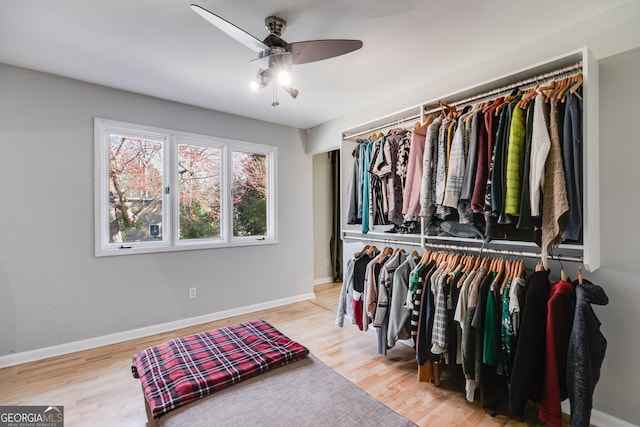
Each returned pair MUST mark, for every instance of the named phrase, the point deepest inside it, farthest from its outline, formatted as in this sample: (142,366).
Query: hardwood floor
(96,387)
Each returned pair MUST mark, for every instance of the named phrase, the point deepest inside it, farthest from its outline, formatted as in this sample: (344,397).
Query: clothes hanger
(505,102)
(527,97)
(359,254)
(561,95)
(386,253)
(507,275)
(579,275)
(372,249)
(500,267)
(575,87)
(415,254)
(425,258)
(478,263)
(521,269)
(550,86)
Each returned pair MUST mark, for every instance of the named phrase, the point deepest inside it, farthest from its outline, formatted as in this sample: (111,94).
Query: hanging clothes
(471,166)
(560,309)
(399,326)
(513,172)
(554,193)
(395,181)
(587,347)
(411,198)
(385,295)
(472,337)
(455,172)
(572,162)
(365,185)
(429,159)
(540,146)
(353,190)
(528,363)
(524,214)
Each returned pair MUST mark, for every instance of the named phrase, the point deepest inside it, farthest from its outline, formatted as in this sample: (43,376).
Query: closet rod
(476,249)
(388,241)
(386,125)
(482,250)
(529,81)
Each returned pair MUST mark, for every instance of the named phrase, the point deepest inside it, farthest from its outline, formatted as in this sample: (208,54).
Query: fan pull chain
(275,102)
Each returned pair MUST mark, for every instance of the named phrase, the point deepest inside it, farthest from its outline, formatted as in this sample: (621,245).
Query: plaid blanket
(188,368)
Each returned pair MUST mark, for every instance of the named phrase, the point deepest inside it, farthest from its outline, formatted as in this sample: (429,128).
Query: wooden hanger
(520,269)
(425,258)
(444,105)
(415,254)
(527,97)
(421,129)
(563,275)
(507,275)
(542,90)
(359,254)
(500,270)
(579,275)
(372,249)
(478,263)
(576,86)
(386,253)
(505,102)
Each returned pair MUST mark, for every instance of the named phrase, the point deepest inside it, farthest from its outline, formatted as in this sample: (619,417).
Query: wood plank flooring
(96,387)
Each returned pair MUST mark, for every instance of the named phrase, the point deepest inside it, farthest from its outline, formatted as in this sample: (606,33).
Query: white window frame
(170,239)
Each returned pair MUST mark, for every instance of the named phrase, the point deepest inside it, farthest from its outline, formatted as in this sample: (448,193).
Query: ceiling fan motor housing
(275,25)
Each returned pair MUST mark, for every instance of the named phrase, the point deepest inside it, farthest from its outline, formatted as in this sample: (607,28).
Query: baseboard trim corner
(322,281)
(599,418)
(118,337)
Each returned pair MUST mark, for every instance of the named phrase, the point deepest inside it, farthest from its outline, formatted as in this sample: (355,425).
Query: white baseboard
(599,418)
(72,347)
(322,281)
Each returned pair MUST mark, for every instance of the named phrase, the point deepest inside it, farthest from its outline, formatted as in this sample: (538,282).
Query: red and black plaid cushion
(185,369)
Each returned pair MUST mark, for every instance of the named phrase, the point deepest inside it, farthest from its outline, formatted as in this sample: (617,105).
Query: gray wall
(52,289)
(617,392)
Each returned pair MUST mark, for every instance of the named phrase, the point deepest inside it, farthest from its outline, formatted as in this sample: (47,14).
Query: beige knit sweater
(554,201)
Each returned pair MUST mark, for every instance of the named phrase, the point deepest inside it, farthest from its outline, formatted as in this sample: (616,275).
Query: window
(162,190)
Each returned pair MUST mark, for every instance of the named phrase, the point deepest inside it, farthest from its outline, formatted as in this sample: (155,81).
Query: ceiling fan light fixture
(284,77)
(291,91)
(255,85)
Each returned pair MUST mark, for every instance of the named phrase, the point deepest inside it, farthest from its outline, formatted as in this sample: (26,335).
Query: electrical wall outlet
(192,293)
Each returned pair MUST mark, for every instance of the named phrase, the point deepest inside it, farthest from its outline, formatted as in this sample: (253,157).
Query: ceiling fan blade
(317,50)
(235,32)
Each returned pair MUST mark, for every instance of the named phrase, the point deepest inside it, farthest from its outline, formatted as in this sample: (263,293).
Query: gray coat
(586,352)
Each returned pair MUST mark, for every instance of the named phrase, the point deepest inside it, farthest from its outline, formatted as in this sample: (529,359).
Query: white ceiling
(163,49)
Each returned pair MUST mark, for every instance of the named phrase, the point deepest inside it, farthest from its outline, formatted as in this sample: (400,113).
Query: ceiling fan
(275,57)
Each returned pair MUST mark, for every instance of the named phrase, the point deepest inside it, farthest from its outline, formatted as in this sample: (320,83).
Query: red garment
(560,310)
(358,306)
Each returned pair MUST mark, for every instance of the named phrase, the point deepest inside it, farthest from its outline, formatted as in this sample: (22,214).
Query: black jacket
(587,347)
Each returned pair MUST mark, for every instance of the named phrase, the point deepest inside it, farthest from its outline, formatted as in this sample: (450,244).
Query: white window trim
(170,241)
